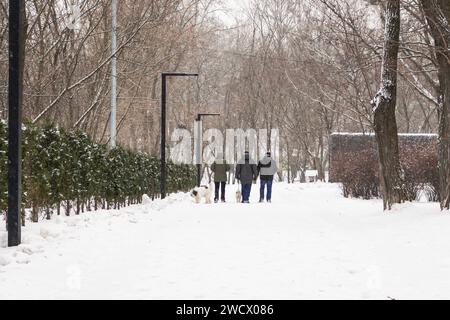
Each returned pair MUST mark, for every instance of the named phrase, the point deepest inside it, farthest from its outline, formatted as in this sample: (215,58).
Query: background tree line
(313,67)
(308,68)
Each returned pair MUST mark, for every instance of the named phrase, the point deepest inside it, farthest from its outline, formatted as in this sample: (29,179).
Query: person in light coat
(267,168)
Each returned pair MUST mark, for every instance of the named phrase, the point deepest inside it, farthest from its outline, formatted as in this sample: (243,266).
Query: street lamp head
(201,115)
(179,74)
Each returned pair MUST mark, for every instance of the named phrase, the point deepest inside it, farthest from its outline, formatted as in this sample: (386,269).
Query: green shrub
(65,168)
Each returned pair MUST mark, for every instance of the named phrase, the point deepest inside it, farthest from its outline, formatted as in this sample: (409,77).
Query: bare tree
(437,13)
(385,103)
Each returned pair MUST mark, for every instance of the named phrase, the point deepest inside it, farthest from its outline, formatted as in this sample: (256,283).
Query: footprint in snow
(4,261)
(133,220)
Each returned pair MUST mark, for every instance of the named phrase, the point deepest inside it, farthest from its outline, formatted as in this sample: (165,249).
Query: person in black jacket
(246,173)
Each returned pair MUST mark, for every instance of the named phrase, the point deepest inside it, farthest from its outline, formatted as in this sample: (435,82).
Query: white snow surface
(310,243)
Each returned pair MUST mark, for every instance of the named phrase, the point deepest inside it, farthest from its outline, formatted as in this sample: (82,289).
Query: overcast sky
(232,9)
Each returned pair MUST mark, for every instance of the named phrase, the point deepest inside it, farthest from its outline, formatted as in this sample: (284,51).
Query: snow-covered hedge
(65,170)
(354,163)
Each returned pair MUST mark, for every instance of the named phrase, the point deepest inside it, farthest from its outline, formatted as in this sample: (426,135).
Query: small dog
(238,196)
(202,192)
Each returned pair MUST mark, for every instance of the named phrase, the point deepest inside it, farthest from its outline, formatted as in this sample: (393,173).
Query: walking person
(246,173)
(267,168)
(220,169)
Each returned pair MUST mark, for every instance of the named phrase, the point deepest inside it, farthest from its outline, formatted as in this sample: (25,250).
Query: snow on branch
(383,95)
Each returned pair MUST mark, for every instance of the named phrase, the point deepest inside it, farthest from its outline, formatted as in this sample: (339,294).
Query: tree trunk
(34,213)
(288,163)
(23,215)
(68,207)
(391,174)
(437,13)
(78,207)
(320,163)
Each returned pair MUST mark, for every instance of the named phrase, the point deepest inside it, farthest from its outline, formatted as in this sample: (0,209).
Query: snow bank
(38,238)
(50,231)
(21,258)
(146,200)
(19,255)
(3,239)
(161,205)
(4,260)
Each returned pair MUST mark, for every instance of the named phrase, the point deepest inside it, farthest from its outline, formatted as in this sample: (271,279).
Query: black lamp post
(199,143)
(165,75)
(15,88)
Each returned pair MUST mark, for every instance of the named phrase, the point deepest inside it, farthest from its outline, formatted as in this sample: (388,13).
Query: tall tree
(437,13)
(384,111)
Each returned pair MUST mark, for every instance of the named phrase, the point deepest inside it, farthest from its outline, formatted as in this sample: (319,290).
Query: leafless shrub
(354,163)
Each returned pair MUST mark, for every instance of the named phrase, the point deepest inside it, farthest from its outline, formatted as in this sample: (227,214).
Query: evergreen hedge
(66,170)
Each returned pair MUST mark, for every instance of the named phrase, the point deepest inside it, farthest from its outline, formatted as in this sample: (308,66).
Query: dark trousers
(220,186)
(269,184)
(246,190)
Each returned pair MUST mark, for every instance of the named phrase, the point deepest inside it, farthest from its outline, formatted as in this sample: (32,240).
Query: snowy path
(310,243)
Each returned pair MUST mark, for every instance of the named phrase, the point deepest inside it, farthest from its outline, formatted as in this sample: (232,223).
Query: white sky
(232,9)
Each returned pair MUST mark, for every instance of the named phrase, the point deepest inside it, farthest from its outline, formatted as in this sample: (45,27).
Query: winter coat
(220,169)
(267,168)
(246,171)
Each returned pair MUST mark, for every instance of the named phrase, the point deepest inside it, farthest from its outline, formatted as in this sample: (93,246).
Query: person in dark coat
(267,168)
(246,173)
(220,169)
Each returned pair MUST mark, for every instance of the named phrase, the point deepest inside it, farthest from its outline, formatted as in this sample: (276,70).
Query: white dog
(238,196)
(203,192)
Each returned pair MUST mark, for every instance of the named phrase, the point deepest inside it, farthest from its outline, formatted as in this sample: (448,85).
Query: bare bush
(354,163)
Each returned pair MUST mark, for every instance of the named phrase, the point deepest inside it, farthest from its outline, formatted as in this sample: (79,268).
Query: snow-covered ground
(311,243)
